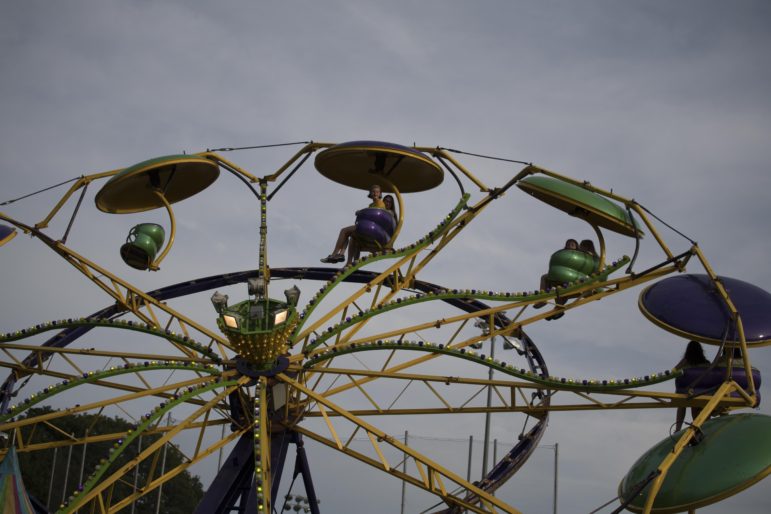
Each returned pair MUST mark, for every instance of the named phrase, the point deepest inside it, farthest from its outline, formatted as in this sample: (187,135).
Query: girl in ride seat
(343,238)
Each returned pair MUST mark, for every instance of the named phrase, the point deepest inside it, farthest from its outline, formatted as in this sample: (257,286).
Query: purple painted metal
(233,480)
(381,217)
(232,485)
(690,305)
(372,231)
(302,467)
(701,379)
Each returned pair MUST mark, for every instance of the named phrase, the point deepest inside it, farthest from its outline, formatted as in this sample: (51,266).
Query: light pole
(508,345)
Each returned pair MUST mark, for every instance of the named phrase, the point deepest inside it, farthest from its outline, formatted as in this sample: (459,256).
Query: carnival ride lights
(275,368)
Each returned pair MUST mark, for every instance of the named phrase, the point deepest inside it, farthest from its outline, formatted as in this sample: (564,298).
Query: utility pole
(67,471)
(404,469)
(136,474)
(487,414)
(556,461)
(169,420)
(51,480)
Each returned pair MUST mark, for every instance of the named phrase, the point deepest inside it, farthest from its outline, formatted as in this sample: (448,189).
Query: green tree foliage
(180,495)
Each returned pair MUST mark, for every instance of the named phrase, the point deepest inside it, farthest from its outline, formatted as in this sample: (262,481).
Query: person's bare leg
(342,239)
(353,253)
(340,246)
(679,418)
(543,285)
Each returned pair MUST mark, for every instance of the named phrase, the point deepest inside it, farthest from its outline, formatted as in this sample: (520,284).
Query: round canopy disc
(361,164)
(176,176)
(581,203)
(690,306)
(734,454)
(6,234)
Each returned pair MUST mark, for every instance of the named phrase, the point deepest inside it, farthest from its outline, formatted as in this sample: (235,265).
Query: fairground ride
(279,371)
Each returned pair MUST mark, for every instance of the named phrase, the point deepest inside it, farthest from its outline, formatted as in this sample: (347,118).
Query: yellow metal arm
(156,263)
(81,182)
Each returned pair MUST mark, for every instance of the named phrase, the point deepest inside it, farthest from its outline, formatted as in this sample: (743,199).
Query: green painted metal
(410,249)
(734,454)
(581,203)
(257,336)
(142,245)
(177,176)
(567,266)
(449,294)
(180,339)
(94,376)
(552,382)
(147,421)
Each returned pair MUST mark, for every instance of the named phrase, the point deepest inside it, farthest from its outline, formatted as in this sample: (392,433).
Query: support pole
(468,468)
(51,480)
(67,471)
(404,470)
(556,469)
(136,474)
(487,414)
(219,457)
(163,470)
(305,470)
(470,451)
(83,460)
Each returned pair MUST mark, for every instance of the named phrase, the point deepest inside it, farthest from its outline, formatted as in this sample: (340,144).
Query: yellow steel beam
(688,434)
(619,285)
(83,181)
(152,448)
(94,352)
(128,500)
(95,405)
(134,300)
(77,441)
(438,152)
(382,436)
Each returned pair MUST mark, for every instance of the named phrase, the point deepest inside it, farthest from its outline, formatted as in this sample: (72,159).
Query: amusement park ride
(279,367)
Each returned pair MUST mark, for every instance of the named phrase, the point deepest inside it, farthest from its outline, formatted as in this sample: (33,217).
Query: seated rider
(587,246)
(694,356)
(354,249)
(337,254)
(570,244)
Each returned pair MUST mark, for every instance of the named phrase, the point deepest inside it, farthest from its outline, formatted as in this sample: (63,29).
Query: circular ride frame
(266,410)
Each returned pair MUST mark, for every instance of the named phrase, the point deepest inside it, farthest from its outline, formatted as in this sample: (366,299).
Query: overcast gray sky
(665,102)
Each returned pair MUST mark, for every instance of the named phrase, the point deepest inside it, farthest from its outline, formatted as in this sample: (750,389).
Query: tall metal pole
(136,474)
(51,480)
(160,487)
(470,448)
(83,460)
(556,460)
(495,451)
(219,459)
(163,469)
(468,469)
(404,469)
(487,414)
(67,470)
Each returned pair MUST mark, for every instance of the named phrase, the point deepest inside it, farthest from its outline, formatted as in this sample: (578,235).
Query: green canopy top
(581,203)
(176,176)
(734,454)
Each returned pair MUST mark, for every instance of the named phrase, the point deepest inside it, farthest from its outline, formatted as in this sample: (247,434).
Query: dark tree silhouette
(180,495)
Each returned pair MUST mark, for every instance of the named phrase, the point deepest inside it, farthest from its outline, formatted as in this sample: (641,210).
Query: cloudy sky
(664,102)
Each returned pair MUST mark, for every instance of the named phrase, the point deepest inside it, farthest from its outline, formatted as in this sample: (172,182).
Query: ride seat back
(566,266)
(712,378)
(374,228)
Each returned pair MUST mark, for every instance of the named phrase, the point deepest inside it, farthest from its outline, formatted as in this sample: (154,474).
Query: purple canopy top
(691,306)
